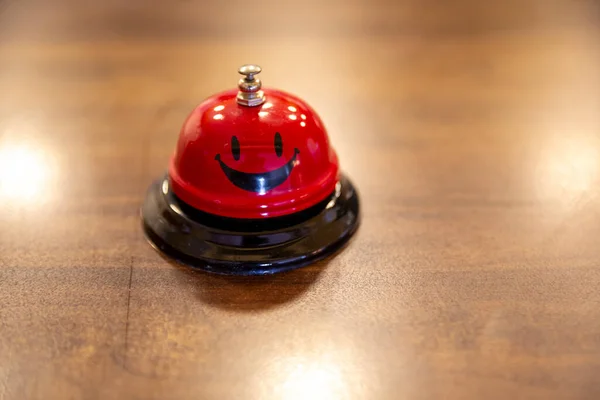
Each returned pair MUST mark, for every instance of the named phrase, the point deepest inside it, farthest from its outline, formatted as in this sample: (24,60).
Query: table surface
(470,128)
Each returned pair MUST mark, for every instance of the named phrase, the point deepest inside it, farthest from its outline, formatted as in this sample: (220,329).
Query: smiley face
(258,182)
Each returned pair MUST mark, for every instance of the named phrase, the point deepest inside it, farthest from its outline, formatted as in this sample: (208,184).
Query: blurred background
(471,129)
(103,77)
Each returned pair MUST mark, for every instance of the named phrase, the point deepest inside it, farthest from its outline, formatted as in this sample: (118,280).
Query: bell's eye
(235,148)
(278,145)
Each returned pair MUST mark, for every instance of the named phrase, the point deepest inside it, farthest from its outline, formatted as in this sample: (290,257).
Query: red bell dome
(253,154)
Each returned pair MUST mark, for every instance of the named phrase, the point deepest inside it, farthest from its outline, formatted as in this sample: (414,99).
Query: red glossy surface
(199,180)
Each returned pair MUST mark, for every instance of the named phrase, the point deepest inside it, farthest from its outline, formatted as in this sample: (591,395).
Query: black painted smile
(259,182)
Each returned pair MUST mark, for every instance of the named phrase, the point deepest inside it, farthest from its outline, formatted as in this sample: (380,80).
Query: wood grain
(471,129)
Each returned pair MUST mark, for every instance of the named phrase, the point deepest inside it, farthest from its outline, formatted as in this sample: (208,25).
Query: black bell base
(232,246)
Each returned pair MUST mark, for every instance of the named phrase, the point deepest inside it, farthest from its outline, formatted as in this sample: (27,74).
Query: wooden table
(471,128)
